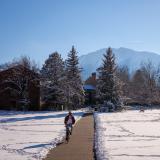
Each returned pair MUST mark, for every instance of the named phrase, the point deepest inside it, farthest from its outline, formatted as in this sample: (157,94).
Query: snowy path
(80,146)
(128,135)
(29,136)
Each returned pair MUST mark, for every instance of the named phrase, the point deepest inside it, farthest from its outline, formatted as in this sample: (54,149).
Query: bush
(107,107)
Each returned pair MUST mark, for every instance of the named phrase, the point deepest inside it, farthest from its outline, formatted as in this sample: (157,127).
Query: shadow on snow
(37,117)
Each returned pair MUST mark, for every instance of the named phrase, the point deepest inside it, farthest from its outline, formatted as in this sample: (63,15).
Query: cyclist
(69,121)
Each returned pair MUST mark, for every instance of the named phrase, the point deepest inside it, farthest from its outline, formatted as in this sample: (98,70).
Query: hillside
(124,57)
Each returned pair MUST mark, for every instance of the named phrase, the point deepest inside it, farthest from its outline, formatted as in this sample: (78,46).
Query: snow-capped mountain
(124,56)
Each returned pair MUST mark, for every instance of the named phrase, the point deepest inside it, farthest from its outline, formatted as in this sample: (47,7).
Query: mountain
(124,57)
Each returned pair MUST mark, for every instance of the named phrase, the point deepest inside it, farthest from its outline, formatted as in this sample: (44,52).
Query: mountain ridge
(124,57)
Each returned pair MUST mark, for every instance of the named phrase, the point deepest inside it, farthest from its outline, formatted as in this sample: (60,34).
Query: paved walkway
(80,146)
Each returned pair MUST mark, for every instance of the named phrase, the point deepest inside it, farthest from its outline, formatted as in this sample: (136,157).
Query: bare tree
(149,73)
(22,73)
(124,77)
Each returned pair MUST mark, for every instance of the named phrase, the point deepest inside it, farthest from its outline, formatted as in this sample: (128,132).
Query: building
(90,90)
(17,83)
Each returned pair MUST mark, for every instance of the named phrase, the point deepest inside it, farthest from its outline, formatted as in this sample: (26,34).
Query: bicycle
(68,132)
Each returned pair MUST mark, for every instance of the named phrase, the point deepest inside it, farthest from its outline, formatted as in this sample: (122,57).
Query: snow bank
(130,135)
(30,135)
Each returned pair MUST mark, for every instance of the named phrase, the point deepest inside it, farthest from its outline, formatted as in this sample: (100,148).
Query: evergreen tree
(75,93)
(52,81)
(108,85)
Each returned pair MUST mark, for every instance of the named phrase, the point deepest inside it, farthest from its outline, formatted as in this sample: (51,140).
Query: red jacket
(66,119)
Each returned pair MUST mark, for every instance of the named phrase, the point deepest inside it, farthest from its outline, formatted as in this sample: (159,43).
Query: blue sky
(39,27)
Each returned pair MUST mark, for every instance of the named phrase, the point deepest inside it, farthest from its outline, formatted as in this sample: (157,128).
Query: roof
(91,80)
(89,87)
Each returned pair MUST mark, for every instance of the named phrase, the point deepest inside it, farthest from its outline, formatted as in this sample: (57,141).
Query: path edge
(95,140)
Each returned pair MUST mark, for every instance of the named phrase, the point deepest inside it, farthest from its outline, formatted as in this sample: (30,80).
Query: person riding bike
(69,121)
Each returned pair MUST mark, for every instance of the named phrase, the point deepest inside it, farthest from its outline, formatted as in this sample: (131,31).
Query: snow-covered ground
(130,135)
(30,135)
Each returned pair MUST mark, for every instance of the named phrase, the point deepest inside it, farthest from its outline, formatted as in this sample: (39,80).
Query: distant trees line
(61,85)
(143,86)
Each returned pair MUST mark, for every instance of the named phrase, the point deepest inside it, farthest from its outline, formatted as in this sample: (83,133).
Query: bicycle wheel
(67,134)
